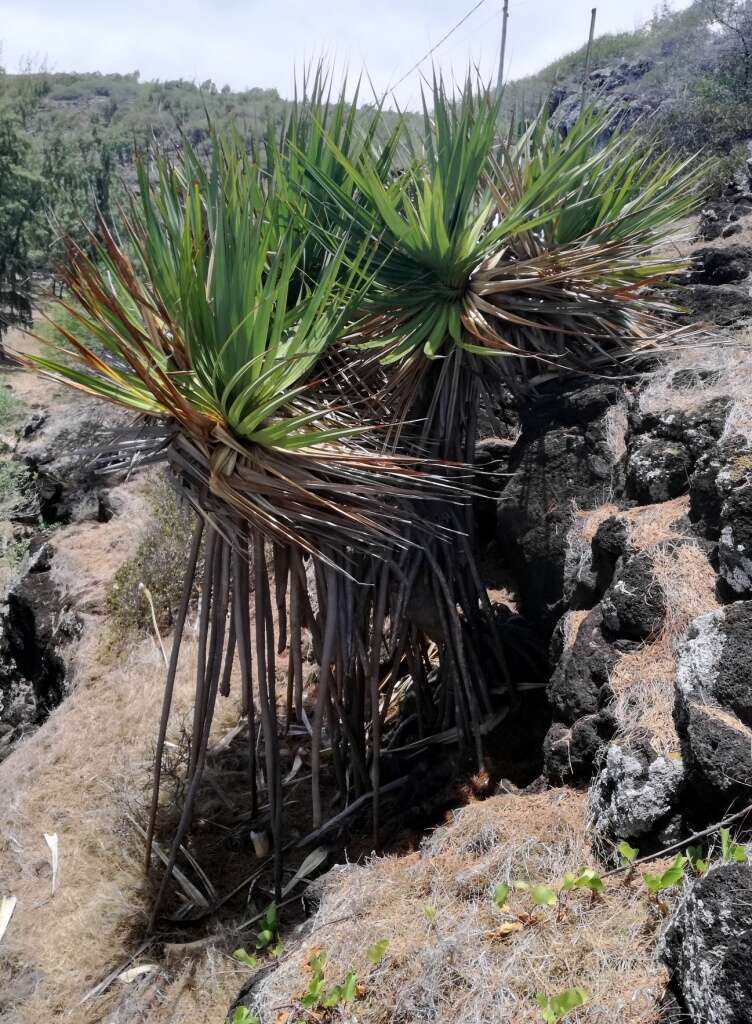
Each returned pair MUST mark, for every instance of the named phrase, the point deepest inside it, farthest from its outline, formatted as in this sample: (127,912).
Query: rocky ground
(622,516)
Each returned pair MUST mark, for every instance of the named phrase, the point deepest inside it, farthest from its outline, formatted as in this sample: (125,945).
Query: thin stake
(241,616)
(185,600)
(330,630)
(503,50)
(587,56)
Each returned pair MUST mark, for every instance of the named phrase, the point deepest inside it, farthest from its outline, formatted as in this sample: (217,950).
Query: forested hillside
(67,140)
(67,144)
(686,74)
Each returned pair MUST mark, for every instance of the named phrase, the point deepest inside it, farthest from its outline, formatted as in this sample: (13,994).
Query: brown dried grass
(643,680)
(78,776)
(457,967)
(727,358)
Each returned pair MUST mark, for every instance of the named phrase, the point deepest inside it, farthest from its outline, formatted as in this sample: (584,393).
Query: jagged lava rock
(657,470)
(721,505)
(726,265)
(723,305)
(707,947)
(569,752)
(662,449)
(586,578)
(634,793)
(579,696)
(565,453)
(713,707)
(634,606)
(36,624)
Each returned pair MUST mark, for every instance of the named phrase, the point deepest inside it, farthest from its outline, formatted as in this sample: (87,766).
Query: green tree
(21,192)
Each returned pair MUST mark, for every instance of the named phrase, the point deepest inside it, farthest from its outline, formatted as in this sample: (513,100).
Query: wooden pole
(587,55)
(503,50)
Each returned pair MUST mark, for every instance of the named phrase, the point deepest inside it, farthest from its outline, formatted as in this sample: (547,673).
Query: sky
(246,43)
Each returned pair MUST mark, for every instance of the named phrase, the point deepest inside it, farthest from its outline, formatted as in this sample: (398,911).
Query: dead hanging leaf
(7,906)
(51,840)
(313,861)
(296,766)
(134,973)
(504,930)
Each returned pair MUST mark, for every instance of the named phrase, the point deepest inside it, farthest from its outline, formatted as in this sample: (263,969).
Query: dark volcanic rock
(721,505)
(634,605)
(565,453)
(579,695)
(60,459)
(610,543)
(36,624)
(707,947)
(634,793)
(664,447)
(657,470)
(726,265)
(569,752)
(713,707)
(724,305)
(698,429)
(582,672)
(735,544)
(710,225)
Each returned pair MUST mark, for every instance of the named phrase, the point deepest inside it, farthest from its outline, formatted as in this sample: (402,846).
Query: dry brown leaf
(505,930)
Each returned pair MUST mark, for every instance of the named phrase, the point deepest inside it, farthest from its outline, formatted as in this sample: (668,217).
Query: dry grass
(457,967)
(647,525)
(572,622)
(727,360)
(643,681)
(77,776)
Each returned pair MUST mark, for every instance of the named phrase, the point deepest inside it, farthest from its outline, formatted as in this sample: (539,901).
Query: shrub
(158,563)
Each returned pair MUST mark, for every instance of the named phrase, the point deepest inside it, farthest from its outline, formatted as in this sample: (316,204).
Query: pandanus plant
(313,329)
(521,262)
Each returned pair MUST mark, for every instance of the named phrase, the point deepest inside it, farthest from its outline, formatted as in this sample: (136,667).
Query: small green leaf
(555,1008)
(627,853)
(243,1015)
(376,953)
(542,896)
(430,913)
(731,851)
(245,958)
(314,993)
(501,894)
(697,859)
(317,962)
(670,877)
(675,873)
(350,988)
(586,878)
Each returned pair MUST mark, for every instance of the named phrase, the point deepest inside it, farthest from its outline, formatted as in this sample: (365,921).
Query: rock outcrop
(568,451)
(36,625)
(713,708)
(635,794)
(707,947)
(721,507)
